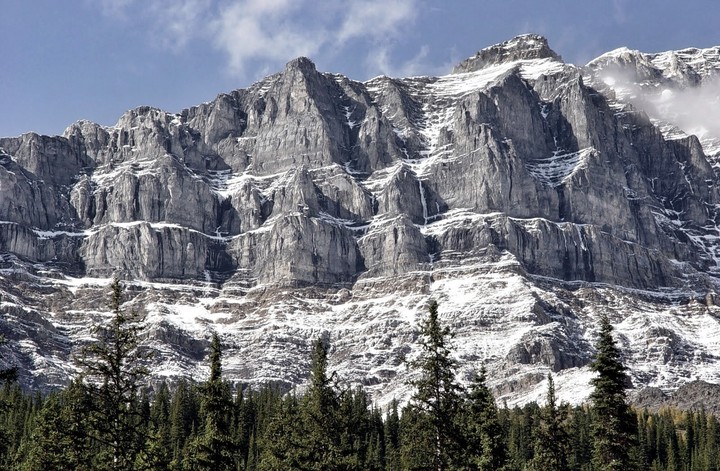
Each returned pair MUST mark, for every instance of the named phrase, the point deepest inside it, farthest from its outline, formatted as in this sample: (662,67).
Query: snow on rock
(527,196)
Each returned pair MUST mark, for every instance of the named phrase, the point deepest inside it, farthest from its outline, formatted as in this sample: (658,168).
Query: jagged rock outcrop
(523,47)
(695,395)
(525,194)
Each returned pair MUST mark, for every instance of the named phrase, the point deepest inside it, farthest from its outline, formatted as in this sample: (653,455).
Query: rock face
(516,177)
(694,395)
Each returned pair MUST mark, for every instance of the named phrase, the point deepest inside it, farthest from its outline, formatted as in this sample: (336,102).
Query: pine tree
(281,446)
(391,434)
(60,439)
(437,396)
(157,453)
(50,444)
(551,436)
(482,434)
(7,375)
(184,410)
(322,424)
(214,449)
(417,440)
(614,427)
(113,368)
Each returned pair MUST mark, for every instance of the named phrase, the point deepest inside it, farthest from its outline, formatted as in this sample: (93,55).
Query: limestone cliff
(350,192)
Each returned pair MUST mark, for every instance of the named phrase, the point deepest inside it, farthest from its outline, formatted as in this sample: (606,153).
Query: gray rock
(516,167)
(526,46)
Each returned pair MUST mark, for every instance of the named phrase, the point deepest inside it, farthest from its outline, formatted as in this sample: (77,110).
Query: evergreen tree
(7,375)
(437,397)
(551,436)
(214,449)
(482,433)
(580,438)
(281,444)
(417,440)
(184,411)
(60,439)
(113,368)
(157,452)
(322,424)
(391,434)
(614,427)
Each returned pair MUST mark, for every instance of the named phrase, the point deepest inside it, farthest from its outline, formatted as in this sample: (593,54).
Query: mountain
(526,195)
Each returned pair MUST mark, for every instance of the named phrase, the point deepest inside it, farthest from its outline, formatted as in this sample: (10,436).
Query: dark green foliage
(417,441)
(551,435)
(184,419)
(483,443)
(329,427)
(60,439)
(213,449)
(433,424)
(7,375)
(113,370)
(51,434)
(614,427)
(391,436)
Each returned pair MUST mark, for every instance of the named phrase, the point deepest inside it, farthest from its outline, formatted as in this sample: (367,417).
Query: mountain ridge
(514,170)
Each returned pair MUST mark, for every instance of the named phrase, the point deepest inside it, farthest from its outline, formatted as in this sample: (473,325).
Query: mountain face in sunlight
(526,195)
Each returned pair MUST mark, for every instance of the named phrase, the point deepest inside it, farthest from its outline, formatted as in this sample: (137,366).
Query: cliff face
(347,193)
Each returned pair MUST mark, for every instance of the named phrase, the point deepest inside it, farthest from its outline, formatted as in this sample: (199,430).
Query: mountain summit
(527,196)
(523,47)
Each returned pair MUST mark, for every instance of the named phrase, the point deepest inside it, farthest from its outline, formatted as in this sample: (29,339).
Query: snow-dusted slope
(527,196)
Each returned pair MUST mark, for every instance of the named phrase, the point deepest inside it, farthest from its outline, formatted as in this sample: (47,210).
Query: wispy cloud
(378,19)
(178,19)
(256,33)
(620,11)
(380,61)
(263,30)
(116,8)
(694,109)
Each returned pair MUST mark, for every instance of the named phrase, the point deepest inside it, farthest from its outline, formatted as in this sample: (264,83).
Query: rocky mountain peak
(526,198)
(302,64)
(523,47)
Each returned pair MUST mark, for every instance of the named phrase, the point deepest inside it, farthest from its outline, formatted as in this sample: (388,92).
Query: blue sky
(65,60)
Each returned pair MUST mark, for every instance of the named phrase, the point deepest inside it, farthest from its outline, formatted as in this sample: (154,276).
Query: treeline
(107,420)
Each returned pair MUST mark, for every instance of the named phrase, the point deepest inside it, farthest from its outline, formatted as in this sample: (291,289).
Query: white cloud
(177,21)
(379,61)
(377,19)
(262,30)
(171,24)
(620,11)
(256,33)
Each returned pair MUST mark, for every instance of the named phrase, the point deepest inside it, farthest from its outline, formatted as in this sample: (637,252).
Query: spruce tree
(391,435)
(551,436)
(157,453)
(483,444)
(184,409)
(61,439)
(417,440)
(7,375)
(281,443)
(113,369)
(322,425)
(437,397)
(614,425)
(214,448)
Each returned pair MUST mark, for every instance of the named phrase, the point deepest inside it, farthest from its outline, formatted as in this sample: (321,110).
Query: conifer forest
(111,418)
